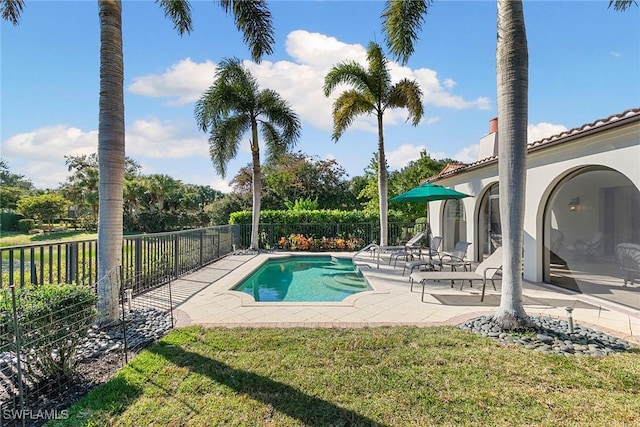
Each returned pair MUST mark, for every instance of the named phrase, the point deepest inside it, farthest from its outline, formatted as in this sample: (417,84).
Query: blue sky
(584,64)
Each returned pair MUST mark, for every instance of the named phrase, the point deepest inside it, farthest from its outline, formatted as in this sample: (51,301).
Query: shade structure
(428,192)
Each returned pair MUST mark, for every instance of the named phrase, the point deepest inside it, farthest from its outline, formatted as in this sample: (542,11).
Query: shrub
(26,225)
(299,242)
(9,221)
(52,321)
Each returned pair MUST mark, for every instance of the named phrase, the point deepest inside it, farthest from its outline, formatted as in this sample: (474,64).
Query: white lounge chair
(486,270)
(405,250)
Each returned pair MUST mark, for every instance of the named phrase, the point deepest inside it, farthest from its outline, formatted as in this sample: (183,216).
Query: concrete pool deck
(204,298)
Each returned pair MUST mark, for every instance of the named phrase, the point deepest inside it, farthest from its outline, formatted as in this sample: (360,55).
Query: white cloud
(300,81)
(467,154)
(432,120)
(221,185)
(185,81)
(39,155)
(615,54)
(542,130)
(51,141)
(404,154)
(165,139)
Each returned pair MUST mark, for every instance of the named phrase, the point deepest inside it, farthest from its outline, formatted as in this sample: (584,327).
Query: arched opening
(454,224)
(489,228)
(590,213)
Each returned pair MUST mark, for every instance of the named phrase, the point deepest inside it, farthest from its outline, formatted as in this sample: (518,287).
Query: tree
(372,93)
(12,187)
(512,74)
(45,207)
(252,18)
(234,105)
(412,175)
(402,20)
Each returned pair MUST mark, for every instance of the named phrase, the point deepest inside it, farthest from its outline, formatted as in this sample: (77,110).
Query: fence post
(201,249)
(138,254)
(176,258)
(72,258)
(16,335)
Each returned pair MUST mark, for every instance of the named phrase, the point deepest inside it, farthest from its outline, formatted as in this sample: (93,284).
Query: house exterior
(582,201)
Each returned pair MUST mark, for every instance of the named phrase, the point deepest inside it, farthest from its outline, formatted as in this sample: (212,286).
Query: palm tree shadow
(310,410)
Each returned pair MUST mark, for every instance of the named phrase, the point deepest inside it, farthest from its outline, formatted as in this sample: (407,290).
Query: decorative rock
(552,337)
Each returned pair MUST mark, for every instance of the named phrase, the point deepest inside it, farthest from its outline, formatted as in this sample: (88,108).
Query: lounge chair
(588,251)
(433,251)
(405,250)
(454,259)
(486,270)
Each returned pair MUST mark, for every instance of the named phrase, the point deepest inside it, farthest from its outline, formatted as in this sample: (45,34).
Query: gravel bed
(552,336)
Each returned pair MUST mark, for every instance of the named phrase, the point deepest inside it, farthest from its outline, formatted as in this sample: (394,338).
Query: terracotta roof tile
(548,141)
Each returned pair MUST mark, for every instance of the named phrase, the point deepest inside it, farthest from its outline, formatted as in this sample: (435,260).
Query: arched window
(454,224)
(588,215)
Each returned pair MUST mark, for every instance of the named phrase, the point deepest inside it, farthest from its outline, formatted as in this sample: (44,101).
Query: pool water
(304,279)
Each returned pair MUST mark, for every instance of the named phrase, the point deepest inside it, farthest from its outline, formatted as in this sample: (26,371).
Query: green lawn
(403,376)
(12,238)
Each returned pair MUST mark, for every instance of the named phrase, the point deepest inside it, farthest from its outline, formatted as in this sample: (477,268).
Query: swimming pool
(304,279)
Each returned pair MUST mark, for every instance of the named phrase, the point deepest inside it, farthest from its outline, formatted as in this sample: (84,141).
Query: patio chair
(434,247)
(405,250)
(419,250)
(588,250)
(628,255)
(486,270)
(454,259)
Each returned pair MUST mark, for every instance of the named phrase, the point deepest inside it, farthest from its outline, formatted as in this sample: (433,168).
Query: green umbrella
(428,192)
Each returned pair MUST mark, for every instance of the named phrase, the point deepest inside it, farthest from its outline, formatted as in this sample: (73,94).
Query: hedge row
(311,217)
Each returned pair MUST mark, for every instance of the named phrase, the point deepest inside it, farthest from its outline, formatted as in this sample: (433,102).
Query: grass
(13,238)
(359,377)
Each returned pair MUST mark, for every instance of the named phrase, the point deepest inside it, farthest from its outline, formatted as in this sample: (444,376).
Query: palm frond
(622,5)
(253,18)
(277,111)
(402,20)
(224,140)
(11,10)
(276,146)
(350,73)
(407,94)
(179,11)
(378,75)
(346,108)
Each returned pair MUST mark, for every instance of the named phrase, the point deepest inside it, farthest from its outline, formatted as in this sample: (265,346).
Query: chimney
(493,125)
(489,143)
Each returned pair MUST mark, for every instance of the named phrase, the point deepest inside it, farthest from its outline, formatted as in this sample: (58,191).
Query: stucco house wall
(612,143)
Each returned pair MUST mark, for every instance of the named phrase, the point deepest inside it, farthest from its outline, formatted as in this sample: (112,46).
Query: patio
(205,299)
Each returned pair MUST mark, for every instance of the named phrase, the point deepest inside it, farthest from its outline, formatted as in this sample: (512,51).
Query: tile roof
(629,115)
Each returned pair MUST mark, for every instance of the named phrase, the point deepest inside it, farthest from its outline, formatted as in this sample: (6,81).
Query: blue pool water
(304,279)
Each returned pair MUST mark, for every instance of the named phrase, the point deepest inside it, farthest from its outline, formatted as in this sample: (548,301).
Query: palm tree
(251,17)
(372,93)
(402,21)
(234,105)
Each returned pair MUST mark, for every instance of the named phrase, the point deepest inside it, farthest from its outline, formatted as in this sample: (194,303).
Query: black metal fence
(76,261)
(30,396)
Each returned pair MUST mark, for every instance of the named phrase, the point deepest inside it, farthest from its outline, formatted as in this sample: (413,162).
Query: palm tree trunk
(382,183)
(257,186)
(512,80)
(110,158)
